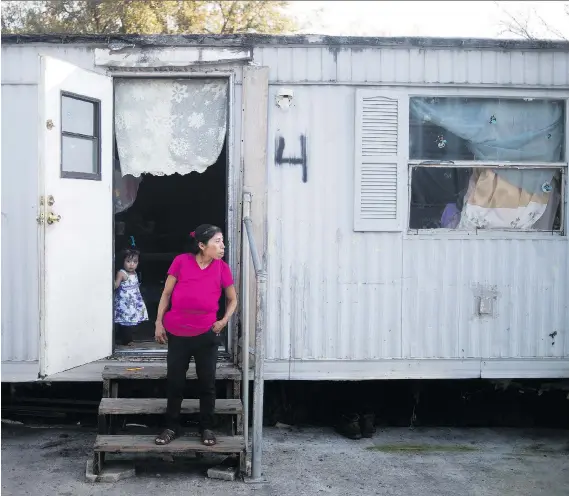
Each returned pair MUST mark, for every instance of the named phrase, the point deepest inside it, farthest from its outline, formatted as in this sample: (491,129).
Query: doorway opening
(171,170)
(166,210)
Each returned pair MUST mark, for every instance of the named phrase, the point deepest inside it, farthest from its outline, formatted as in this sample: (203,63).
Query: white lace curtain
(166,126)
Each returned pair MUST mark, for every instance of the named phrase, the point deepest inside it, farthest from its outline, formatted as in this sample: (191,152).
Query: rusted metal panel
(171,57)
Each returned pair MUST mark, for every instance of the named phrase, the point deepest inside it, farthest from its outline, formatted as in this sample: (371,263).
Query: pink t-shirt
(195,299)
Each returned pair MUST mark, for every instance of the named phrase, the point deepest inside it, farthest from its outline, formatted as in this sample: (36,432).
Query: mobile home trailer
(408,198)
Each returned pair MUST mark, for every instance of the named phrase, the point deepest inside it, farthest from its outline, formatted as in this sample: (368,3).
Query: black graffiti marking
(302,161)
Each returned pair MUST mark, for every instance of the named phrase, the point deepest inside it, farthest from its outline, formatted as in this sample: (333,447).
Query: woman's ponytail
(202,234)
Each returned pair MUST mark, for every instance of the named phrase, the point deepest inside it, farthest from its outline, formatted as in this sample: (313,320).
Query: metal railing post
(260,324)
(259,385)
(245,322)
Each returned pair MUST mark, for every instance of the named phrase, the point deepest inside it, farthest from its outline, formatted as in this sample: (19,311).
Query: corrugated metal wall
(529,280)
(331,289)
(20,295)
(413,65)
(350,65)
(338,294)
(20,262)
(21,63)
(335,293)
(20,269)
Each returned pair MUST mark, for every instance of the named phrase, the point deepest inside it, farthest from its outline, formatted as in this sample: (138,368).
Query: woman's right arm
(160,333)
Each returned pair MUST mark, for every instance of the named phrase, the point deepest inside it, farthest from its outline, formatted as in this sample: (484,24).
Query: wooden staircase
(113,406)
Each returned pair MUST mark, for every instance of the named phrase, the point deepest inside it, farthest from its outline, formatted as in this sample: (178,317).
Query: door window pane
(78,116)
(78,155)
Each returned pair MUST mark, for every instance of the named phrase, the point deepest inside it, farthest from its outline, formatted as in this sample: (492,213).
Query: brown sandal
(208,438)
(166,437)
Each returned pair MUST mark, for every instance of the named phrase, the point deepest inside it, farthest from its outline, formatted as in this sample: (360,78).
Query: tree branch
(550,28)
(520,25)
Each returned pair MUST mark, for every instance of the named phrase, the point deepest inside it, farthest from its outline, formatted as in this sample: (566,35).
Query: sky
(462,19)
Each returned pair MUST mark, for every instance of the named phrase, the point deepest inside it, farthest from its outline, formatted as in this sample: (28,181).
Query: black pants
(180,351)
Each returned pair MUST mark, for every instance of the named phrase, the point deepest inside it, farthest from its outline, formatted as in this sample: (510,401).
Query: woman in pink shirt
(190,326)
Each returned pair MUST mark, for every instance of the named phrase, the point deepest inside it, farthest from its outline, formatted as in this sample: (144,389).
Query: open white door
(76,171)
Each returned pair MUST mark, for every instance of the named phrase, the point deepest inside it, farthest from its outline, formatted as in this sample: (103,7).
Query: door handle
(52,218)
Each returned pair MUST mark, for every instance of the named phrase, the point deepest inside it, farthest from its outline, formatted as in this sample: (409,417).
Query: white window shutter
(381,150)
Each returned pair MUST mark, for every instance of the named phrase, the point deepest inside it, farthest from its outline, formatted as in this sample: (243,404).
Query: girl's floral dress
(130,309)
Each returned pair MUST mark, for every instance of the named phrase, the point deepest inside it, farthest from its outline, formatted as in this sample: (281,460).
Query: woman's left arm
(231,298)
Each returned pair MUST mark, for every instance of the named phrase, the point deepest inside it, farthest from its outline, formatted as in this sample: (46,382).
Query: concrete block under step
(145,444)
(158,371)
(222,473)
(126,406)
(112,472)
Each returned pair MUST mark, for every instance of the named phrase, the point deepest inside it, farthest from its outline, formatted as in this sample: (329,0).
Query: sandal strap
(168,435)
(208,435)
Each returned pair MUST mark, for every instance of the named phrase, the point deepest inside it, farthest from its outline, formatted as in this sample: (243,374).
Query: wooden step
(145,444)
(125,406)
(158,371)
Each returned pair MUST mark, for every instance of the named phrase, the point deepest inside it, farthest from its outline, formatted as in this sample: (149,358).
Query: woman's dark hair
(202,234)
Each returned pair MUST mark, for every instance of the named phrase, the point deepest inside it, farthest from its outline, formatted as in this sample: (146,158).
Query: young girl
(130,309)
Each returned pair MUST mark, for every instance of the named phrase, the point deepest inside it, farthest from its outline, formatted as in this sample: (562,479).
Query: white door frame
(233,225)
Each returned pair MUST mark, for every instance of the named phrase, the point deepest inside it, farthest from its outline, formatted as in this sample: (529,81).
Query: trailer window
(523,130)
(80,137)
(464,198)
(479,163)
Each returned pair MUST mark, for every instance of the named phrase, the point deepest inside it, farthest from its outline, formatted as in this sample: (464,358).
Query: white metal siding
(333,293)
(529,278)
(338,294)
(21,63)
(20,297)
(414,65)
(349,65)
(20,263)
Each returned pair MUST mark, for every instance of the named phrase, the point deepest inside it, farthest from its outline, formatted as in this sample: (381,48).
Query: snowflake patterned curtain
(166,126)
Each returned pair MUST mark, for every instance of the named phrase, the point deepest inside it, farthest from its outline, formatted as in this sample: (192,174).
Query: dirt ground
(312,461)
